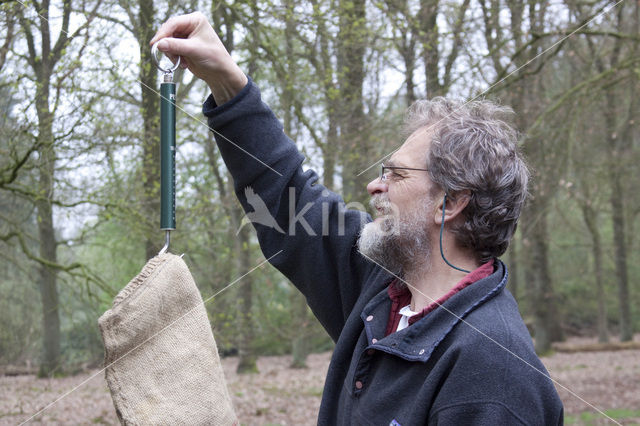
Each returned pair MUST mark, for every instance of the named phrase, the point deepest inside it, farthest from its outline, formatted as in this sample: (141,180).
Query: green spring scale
(167,148)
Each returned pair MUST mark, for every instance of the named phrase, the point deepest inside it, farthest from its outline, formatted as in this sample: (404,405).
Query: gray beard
(396,243)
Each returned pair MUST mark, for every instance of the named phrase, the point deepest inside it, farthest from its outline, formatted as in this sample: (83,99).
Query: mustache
(381,203)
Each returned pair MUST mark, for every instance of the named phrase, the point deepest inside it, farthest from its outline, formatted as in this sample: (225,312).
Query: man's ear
(455,204)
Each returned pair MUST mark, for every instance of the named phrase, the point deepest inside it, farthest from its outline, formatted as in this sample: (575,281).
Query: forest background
(79,155)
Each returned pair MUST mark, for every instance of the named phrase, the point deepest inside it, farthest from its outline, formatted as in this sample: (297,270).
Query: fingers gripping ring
(154,56)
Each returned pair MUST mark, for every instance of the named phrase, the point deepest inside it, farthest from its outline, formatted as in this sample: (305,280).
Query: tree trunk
(409,67)
(246,332)
(43,63)
(246,329)
(43,67)
(242,255)
(525,96)
(620,250)
(352,39)
(429,39)
(300,344)
(535,247)
(46,233)
(615,159)
(298,304)
(150,109)
(620,152)
(405,43)
(325,71)
(546,322)
(590,218)
(329,155)
(617,147)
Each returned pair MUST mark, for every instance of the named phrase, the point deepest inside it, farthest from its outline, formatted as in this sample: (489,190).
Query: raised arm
(294,215)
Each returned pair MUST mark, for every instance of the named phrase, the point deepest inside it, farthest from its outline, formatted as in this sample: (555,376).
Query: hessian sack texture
(162,361)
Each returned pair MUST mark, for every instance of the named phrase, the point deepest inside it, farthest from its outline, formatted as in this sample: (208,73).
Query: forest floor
(279,395)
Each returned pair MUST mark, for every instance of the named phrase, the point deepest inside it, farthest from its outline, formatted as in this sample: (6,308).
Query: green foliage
(116,254)
(589,418)
(20,314)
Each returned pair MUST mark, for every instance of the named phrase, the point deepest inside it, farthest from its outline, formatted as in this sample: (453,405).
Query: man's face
(401,232)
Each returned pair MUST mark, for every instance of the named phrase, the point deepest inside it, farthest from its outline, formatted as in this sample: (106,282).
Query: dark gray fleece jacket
(469,362)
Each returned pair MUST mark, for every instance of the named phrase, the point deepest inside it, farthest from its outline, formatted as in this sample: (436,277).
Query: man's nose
(377,186)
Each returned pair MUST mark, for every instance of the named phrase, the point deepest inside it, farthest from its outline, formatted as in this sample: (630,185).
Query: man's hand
(192,38)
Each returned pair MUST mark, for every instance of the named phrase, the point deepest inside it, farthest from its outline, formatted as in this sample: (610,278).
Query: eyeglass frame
(383,167)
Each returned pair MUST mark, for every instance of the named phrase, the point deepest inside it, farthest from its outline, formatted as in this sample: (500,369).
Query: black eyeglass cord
(444,205)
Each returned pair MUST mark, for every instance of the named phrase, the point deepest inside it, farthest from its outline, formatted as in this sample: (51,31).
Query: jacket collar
(417,342)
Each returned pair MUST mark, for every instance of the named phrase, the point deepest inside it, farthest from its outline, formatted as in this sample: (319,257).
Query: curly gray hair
(474,148)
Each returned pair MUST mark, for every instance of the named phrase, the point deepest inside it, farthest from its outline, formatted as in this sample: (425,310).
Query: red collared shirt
(401,296)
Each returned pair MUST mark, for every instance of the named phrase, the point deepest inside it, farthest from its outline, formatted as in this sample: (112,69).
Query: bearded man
(425,330)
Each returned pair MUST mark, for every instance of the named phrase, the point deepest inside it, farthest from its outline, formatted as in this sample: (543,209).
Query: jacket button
(370,318)
(358,385)
(374,341)
(421,351)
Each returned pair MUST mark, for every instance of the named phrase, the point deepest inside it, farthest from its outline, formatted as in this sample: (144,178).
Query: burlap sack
(163,364)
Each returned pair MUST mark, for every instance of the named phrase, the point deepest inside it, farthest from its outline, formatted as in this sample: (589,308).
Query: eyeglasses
(383,171)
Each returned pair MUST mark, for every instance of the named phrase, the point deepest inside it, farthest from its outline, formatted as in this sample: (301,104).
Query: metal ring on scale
(154,56)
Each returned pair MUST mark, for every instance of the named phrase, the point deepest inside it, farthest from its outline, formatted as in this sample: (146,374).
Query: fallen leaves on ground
(279,395)
(589,382)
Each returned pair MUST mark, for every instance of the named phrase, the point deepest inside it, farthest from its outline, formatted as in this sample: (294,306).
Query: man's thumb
(173,46)
(163,45)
